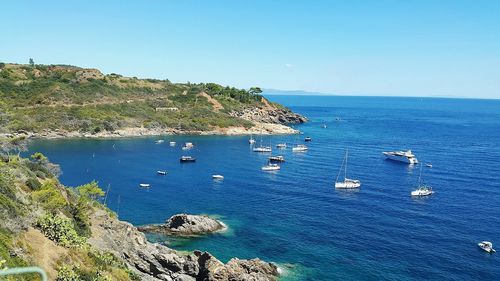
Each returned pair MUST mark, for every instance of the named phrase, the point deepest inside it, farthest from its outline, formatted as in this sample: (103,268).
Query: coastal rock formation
(158,262)
(185,225)
(270,114)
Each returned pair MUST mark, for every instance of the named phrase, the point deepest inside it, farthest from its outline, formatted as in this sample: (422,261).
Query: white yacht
(486,246)
(172,143)
(217,177)
(144,185)
(271,167)
(422,190)
(346,183)
(299,148)
(281,145)
(402,156)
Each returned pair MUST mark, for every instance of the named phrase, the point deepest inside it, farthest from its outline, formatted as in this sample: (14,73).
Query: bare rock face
(185,225)
(157,262)
(270,115)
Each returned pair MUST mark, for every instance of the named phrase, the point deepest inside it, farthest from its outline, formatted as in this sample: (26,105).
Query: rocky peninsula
(185,225)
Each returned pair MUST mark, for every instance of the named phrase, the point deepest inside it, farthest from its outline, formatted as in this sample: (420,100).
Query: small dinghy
(486,246)
(159,141)
(308,139)
(217,177)
(161,172)
(172,143)
(144,185)
(428,165)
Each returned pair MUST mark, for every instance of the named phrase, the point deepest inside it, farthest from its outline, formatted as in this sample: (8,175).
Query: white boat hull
(347,184)
(262,149)
(218,177)
(401,159)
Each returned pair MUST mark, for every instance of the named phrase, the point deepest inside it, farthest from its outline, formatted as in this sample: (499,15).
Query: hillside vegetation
(35,98)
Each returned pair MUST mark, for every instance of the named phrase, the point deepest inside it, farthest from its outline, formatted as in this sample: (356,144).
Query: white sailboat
(346,183)
(262,148)
(299,147)
(423,189)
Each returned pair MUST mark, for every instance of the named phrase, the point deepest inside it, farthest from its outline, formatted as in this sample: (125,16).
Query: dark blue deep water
(295,217)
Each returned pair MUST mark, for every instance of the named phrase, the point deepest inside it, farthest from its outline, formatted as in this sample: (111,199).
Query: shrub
(49,197)
(60,230)
(33,183)
(67,273)
(79,212)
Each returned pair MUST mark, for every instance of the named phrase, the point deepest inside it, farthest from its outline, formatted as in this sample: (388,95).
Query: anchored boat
(402,156)
(271,167)
(422,190)
(486,246)
(185,159)
(346,183)
(277,158)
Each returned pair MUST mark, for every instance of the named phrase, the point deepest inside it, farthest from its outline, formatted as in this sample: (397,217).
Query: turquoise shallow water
(295,217)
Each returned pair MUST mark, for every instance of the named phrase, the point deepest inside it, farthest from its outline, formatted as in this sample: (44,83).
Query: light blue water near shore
(295,216)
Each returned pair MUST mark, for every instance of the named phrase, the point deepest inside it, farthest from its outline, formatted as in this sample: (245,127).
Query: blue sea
(295,217)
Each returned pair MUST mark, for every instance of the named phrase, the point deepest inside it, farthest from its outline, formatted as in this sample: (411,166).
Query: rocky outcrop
(272,115)
(185,225)
(157,262)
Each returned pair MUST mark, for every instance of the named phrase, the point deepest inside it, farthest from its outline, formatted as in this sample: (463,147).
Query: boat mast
(340,170)
(345,168)
(420,176)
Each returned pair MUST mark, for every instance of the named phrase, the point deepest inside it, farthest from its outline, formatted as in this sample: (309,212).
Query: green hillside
(34,98)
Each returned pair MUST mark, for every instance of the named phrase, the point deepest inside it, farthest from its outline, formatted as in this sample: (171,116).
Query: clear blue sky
(406,48)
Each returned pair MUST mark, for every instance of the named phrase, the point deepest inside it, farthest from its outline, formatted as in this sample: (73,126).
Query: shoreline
(257,129)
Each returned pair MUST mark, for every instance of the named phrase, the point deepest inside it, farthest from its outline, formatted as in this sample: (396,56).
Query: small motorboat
(187,145)
(187,159)
(324,126)
(281,145)
(173,143)
(277,158)
(428,165)
(271,167)
(144,185)
(486,246)
(308,139)
(299,148)
(159,141)
(161,172)
(217,177)
(262,149)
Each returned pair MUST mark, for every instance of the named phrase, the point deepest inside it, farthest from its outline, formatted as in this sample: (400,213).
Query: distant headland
(60,101)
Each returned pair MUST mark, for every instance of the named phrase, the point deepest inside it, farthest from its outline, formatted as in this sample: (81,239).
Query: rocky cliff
(158,262)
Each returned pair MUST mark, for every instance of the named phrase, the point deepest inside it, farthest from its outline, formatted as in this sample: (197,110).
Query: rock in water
(156,262)
(185,225)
